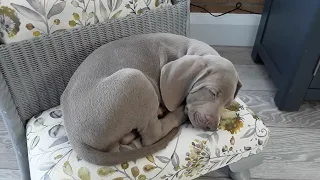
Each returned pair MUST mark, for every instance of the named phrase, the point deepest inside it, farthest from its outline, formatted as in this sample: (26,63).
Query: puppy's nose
(214,128)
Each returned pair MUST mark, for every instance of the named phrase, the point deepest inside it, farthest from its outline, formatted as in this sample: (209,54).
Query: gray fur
(121,85)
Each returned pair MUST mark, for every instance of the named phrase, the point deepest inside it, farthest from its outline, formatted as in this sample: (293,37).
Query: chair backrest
(37,71)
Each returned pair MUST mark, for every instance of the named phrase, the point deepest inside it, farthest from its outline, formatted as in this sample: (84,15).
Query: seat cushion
(24,19)
(192,153)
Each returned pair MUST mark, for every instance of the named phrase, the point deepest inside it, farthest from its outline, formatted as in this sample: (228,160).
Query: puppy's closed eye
(204,94)
(213,92)
(209,94)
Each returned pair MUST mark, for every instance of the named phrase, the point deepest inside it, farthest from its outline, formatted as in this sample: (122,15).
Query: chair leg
(240,169)
(243,175)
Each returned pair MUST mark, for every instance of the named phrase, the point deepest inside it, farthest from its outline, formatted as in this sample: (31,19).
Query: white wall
(227,30)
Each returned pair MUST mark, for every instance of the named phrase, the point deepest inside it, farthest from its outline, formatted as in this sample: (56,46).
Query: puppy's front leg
(157,129)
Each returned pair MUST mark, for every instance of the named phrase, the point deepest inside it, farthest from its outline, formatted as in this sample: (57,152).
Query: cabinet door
(285,32)
(315,84)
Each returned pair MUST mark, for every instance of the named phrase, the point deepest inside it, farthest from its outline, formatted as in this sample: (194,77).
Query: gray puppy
(120,87)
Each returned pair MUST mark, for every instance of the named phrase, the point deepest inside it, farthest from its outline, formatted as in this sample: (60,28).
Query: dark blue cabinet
(288,43)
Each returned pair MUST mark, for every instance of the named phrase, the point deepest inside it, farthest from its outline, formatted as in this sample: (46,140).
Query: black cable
(238,7)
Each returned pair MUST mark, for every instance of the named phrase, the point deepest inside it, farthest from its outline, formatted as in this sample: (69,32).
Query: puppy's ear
(178,77)
(239,85)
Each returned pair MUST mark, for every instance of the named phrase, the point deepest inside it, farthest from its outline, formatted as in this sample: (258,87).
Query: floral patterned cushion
(192,153)
(24,19)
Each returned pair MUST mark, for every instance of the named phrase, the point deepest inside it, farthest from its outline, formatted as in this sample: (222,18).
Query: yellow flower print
(230,121)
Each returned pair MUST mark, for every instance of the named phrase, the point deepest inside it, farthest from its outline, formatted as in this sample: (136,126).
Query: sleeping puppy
(123,87)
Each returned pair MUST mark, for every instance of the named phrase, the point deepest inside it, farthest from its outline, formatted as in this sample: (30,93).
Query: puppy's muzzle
(206,122)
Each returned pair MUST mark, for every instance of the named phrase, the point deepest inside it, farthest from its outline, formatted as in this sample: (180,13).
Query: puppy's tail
(113,158)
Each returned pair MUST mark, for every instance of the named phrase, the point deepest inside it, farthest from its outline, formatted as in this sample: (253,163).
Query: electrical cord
(238,7)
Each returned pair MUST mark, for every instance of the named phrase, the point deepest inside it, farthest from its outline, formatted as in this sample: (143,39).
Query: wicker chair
(35,72)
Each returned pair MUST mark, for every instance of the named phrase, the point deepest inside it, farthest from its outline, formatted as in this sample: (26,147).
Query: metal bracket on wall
(317,68)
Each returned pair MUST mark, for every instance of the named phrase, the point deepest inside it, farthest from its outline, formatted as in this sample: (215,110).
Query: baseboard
(227,30)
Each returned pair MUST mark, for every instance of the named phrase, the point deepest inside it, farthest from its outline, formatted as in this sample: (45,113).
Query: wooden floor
(293,151)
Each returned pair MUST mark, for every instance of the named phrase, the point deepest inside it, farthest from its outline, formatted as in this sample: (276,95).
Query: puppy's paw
(181,116)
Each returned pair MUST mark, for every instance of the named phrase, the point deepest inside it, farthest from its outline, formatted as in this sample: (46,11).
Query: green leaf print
(116,15)
(84,173)
(67,169)
(135,171)
(105,171)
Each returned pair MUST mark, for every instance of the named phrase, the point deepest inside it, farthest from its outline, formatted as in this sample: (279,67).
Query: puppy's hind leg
(157,129)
